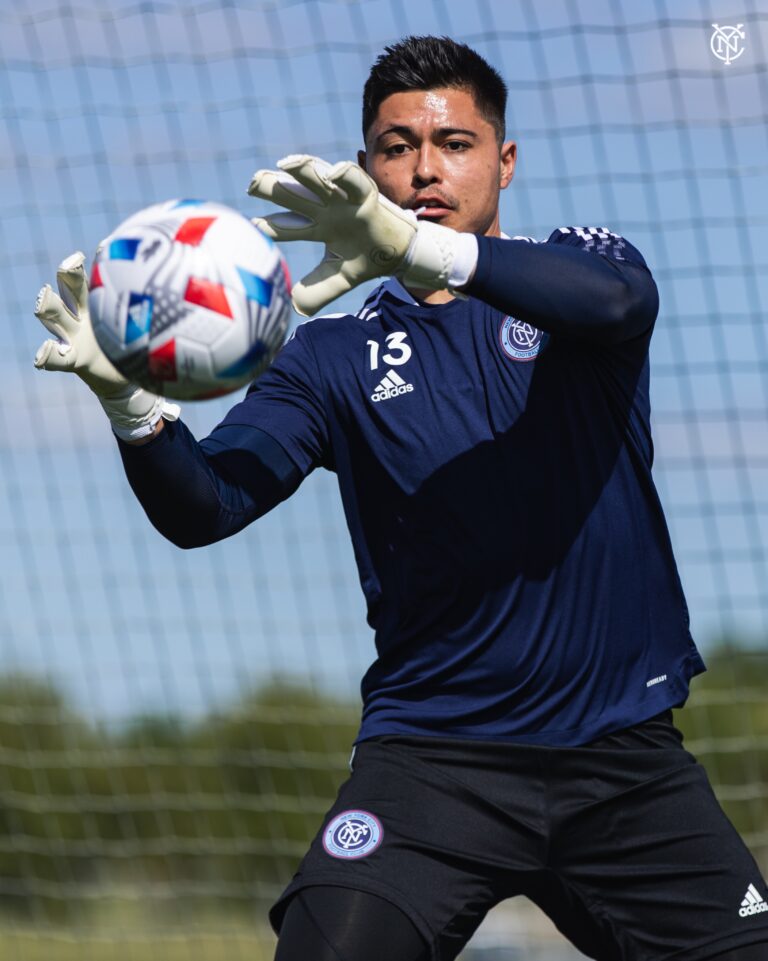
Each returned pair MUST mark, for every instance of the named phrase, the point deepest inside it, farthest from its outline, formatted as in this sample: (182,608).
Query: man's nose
(428,170)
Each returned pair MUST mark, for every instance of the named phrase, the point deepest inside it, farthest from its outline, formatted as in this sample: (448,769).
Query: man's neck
(431,296)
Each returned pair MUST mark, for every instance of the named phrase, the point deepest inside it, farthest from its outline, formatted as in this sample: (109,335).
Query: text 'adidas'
(752,903)
(391,385)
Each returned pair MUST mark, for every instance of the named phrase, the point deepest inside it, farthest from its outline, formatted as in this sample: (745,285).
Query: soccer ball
(189,299)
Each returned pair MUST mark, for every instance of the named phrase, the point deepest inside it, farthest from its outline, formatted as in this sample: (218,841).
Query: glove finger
(52,312)
(53,355)
(294,160)
(312,173)
(288,226)
(321,286)
(280,188)
(73,283)
(354,181)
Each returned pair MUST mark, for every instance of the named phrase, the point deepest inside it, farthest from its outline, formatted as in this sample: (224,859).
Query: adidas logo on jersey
(752,903)
(391,385)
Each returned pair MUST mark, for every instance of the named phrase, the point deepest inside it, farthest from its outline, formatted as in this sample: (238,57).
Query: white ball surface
(189,299)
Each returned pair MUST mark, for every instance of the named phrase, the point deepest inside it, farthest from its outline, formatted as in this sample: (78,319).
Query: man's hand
(365,235)
(134,412)
(75,348)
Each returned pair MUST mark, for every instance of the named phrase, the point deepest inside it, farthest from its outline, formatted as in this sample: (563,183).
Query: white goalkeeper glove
(365,235)
(133,411)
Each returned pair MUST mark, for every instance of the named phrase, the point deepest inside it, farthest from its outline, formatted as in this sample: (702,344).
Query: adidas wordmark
(752,903)
(391,385)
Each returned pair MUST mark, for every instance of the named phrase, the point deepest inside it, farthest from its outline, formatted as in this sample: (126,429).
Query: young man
(487,415)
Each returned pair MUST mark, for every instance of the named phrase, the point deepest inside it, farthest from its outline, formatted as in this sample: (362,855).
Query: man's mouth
(431,208)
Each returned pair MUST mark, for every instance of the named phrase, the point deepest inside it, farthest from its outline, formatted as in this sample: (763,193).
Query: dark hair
(425,63)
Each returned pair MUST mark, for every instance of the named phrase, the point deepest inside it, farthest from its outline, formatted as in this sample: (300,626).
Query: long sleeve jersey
(494,459)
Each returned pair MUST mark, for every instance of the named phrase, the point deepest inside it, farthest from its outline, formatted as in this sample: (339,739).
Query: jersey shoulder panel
(319,327)
(598,240)
(323,322)
(319,335)
(372,303)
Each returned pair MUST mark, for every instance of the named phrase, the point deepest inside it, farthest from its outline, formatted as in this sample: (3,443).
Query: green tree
(44,781)
(218,811)
(725,724)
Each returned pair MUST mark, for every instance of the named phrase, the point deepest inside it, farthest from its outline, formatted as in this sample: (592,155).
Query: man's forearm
(198,493)
(565,290)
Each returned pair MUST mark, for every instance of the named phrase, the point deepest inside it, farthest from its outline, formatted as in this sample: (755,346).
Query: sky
(623,117)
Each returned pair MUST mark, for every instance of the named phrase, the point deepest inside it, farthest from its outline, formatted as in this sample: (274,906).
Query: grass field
(18,944)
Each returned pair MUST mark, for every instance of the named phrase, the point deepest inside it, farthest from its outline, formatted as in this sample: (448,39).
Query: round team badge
(352,834)
(520,340)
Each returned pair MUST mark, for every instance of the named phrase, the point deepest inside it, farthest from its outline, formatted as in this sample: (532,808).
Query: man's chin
(446,218)
(456,221)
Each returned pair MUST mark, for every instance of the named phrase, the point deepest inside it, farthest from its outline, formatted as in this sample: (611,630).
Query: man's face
(433,149)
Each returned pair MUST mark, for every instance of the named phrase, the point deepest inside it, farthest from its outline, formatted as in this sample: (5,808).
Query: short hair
(426,63)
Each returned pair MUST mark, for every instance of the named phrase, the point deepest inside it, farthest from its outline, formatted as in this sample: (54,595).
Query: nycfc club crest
(521,341)
(352,834)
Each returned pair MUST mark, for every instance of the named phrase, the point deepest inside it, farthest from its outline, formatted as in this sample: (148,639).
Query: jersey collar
(393,286)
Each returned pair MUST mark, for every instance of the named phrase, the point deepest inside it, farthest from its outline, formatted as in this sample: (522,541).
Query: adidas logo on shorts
(752,903)
(392,384)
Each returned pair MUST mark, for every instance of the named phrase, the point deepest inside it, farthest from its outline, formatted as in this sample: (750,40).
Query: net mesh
(173,724)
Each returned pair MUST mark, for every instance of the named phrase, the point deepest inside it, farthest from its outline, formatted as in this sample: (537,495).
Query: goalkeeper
(486,413)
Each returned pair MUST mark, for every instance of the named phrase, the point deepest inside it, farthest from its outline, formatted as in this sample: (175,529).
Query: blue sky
(623,116)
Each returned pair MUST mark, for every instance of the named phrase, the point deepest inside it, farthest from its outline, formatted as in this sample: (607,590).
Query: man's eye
(396,149)
(456,145)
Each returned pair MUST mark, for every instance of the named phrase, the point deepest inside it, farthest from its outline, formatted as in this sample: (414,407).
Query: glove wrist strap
(438,258)
(134,413)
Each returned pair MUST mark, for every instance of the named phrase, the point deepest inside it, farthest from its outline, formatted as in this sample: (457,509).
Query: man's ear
(507,162)
(361,159)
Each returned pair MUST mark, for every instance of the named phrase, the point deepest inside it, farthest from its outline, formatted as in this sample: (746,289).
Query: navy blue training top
(494,460)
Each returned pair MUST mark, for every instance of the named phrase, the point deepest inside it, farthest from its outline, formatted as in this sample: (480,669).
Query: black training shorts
(621,842)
